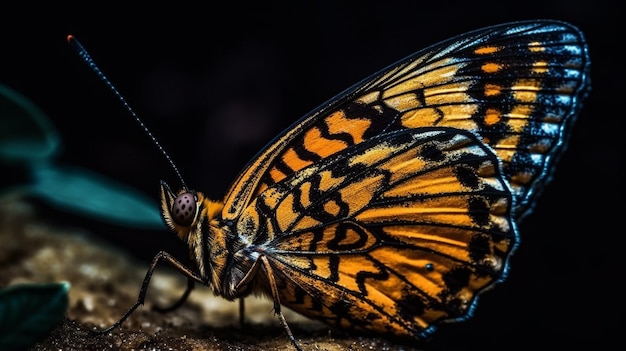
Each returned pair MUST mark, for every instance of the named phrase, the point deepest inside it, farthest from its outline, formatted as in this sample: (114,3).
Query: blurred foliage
(29,141)
(26,134)
(28,145)
(28,312)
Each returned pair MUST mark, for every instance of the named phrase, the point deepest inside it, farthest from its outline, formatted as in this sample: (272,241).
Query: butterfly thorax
(224,260)
(227,259)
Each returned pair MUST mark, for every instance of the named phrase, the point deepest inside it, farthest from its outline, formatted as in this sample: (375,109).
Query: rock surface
(105,282)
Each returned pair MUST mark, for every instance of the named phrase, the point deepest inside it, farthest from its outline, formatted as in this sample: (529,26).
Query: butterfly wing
(393,205)
(517,85)
(391,235)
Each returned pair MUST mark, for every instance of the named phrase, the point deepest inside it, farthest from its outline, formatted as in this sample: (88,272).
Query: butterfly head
(180,210)
(193,217)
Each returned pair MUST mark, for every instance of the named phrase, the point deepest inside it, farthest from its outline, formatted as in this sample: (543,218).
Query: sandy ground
(105,282)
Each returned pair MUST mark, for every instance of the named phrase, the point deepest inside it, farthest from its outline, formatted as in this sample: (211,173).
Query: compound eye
(184,209)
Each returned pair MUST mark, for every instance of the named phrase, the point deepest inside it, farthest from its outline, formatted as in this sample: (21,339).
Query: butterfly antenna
(82,52)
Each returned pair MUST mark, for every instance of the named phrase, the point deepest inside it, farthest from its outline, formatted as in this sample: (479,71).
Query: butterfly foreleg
(161,256)
(180,302)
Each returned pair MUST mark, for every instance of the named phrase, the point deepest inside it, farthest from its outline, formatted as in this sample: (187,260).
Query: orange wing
(391,207)
(391,235)
(517,85)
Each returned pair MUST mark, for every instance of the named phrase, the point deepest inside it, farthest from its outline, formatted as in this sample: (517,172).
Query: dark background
(215,83)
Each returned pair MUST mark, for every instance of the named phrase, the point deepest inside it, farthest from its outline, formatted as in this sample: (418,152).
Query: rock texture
(105,281)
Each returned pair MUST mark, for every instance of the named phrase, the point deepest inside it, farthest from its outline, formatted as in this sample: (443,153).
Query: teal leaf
(28,139)
(90,194)
(28,312)
(26,133)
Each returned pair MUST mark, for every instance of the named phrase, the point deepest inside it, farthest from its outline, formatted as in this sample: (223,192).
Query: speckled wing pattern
(393,205)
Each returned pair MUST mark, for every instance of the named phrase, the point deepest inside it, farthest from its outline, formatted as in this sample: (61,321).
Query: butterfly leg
(241,312)
(161,256)
(272,281)
(180,302)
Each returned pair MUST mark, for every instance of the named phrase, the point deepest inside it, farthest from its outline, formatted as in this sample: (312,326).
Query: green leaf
(26,133)
(93,195)
(28,312)
(28,138)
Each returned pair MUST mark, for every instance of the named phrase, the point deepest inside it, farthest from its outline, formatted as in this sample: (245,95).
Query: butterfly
(392,206)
